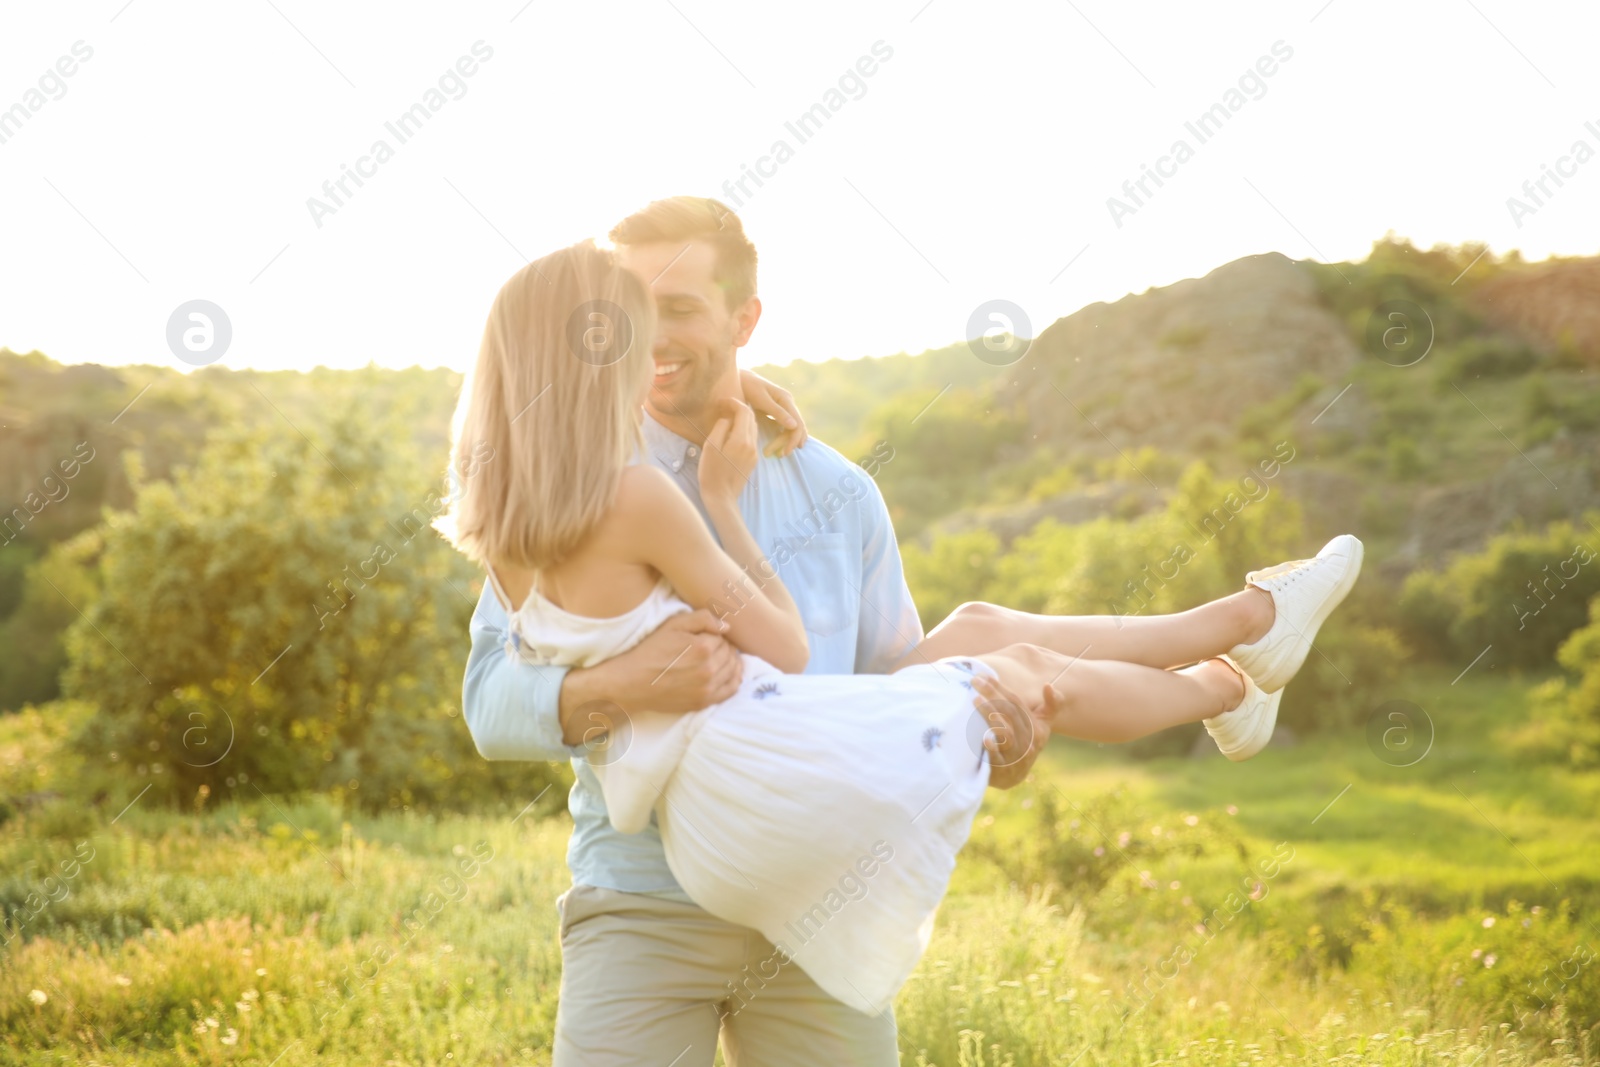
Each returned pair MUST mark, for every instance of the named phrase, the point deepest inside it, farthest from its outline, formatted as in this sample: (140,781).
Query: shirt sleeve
(889,626)
(512,707)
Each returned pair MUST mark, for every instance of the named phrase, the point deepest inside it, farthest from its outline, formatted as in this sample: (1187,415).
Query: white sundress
(824,811)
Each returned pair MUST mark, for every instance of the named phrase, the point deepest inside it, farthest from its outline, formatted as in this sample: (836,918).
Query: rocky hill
(1177,367)
(1557,302)
(1498,423)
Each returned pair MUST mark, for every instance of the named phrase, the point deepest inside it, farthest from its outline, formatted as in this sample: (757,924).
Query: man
(647,976)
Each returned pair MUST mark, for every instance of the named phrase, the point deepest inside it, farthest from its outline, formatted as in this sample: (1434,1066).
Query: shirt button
(693,451)
(677,465)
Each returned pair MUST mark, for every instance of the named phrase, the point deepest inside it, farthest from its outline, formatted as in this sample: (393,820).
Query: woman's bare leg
(1105,700)
(1160,641)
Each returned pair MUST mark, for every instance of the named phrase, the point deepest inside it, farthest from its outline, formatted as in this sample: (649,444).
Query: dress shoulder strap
(501,595)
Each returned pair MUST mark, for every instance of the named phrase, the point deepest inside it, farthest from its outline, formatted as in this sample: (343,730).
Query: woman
(823,811)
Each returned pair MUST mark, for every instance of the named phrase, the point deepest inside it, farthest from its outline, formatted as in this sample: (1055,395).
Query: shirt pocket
(820,576)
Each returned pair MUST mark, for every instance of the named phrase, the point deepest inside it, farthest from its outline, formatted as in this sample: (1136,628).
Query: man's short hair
(689,218)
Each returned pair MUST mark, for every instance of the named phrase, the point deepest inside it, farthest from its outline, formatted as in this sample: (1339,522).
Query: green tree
(946,447)
(1523,594)
(33,634)
(1212,532)
(1569,707)
(280,616)
(954,569)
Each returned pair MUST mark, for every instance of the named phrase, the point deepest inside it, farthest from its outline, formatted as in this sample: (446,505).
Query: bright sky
(974,163)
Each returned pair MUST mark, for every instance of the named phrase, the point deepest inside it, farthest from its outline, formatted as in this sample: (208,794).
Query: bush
(956,568)
(280,617)
(36,764)
(1405,460)
(1395,270)
(1260,424)
(1427,606)
(1212,532)
(1352,669)
(944,447)
(15,557)
(1080,849)
(1523,594)
(1522,966)
(1547,407)
(1494,356)
(1567,709)
(33,634)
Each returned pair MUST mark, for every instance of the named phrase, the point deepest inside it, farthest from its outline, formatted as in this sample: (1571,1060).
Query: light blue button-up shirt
(821,520)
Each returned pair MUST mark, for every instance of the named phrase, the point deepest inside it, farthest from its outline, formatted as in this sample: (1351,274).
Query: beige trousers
(648,982)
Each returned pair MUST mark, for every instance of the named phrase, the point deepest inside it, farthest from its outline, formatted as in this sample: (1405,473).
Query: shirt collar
(675,452)
(661,440)
(669,449)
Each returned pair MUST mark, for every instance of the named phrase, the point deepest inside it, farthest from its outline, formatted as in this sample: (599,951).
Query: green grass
(1433,829)
(259,929)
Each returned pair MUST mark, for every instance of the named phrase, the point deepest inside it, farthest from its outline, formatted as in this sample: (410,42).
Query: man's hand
(776,403)
(1019,732)
(729,456)
(685,665)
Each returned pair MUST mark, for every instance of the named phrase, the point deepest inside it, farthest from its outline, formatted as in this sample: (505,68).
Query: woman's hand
(729,456)
(1017,734)
(777,404)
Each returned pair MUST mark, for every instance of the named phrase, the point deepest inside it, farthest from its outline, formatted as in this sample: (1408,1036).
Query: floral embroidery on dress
(931,738)
(764,690)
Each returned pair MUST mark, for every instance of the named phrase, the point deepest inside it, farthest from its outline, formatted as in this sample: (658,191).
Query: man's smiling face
(697,335)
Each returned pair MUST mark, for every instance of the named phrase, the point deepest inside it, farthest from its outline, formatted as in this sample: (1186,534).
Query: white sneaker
(1304,593)
(1245,730)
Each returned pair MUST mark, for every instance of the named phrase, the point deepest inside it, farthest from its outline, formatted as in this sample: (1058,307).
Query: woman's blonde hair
(549,415)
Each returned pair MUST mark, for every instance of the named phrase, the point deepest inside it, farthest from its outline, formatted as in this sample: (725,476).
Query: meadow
(1318,904)
(1411,878)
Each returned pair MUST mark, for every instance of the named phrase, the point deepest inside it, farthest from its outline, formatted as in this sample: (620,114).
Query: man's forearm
(511,708)
(683,666)
(595,700)
(588,703)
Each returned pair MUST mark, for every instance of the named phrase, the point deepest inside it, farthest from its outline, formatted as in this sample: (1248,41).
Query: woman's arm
(738,585)
(726,464)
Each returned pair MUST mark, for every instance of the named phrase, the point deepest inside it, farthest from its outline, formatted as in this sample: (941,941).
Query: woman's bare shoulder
(644,487)
(649,500)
